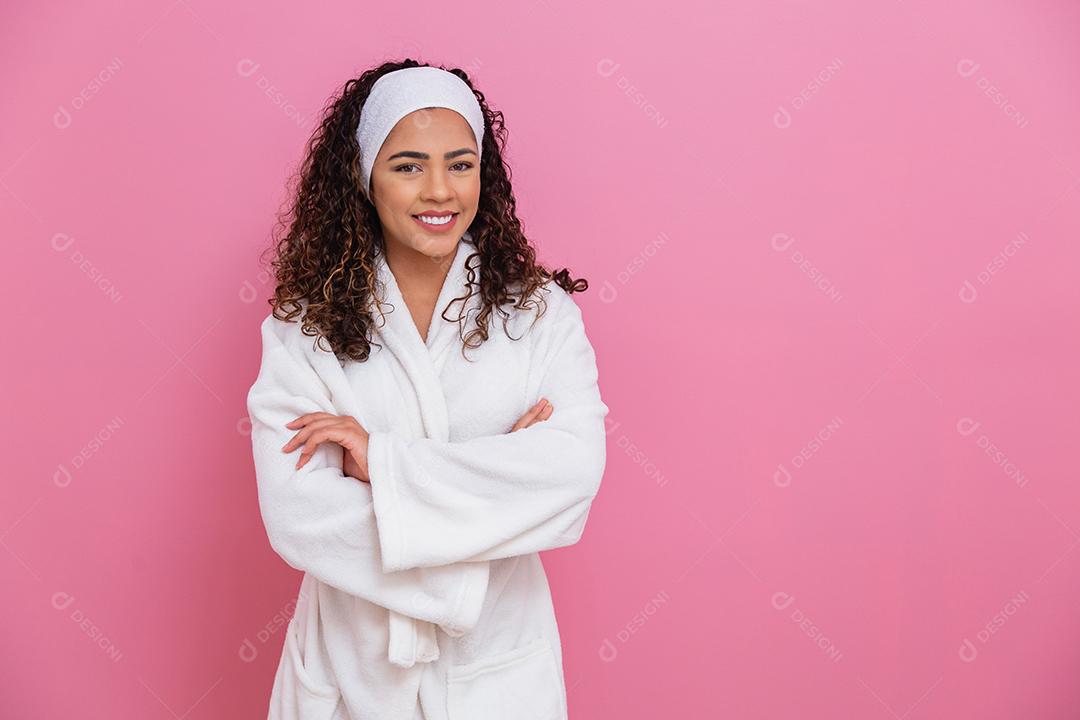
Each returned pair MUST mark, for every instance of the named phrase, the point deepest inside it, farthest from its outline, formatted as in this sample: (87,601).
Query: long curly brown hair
(325,262)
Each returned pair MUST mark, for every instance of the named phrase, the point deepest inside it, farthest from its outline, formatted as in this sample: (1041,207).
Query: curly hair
(325,264)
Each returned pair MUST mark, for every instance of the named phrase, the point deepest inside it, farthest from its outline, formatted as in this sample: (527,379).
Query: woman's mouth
(441,222)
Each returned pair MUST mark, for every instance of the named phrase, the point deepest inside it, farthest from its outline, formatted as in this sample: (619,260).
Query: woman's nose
(438,185)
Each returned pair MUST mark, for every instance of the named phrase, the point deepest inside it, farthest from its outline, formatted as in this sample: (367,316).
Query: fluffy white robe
(426,583)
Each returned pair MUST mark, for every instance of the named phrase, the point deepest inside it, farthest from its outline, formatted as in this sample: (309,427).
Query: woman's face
(428,165)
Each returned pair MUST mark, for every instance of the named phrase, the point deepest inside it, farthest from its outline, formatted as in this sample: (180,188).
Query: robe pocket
(302,696)
(521,683)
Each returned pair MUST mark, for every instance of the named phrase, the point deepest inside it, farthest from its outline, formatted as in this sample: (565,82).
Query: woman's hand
(344,430)
(353,469)
(537,413)
(320,427)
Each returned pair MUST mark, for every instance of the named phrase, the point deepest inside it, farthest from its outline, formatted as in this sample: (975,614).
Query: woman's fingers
(320,427)
(352,468)
(316,439)
(540,411)
(314,434)
(304,419)
(528,417)
(309,428)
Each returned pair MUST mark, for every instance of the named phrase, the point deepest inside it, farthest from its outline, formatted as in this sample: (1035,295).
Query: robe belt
(411,640)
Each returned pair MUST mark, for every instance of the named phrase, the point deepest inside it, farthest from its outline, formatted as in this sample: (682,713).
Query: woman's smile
(436,222)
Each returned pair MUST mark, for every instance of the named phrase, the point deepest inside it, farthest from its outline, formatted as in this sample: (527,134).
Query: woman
(412,469)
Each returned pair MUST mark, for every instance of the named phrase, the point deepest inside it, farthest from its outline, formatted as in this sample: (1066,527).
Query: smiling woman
(422,191)
(401,475)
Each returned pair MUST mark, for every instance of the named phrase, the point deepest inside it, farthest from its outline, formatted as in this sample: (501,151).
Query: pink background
(833,255)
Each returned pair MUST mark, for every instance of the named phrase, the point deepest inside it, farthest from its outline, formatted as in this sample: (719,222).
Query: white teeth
(434,220)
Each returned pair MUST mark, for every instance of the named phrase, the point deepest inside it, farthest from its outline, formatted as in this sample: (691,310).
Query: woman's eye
(464,165)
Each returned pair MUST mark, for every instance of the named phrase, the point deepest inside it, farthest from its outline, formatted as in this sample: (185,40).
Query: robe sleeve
(502,495)
(320,520)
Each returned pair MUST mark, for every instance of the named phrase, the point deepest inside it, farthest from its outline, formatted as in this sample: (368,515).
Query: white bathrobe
(425,587)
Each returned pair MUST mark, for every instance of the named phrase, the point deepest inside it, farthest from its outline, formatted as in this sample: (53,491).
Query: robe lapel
(411,640)
(422,360)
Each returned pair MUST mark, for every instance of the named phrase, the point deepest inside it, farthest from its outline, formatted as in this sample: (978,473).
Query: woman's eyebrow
(424,156)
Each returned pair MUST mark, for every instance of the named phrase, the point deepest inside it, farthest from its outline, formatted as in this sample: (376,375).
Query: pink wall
(833,254)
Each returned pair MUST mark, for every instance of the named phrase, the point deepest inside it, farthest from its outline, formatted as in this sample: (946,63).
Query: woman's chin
(434,246)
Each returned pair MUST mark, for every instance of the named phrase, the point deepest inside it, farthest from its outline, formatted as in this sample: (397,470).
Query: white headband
(398,93)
